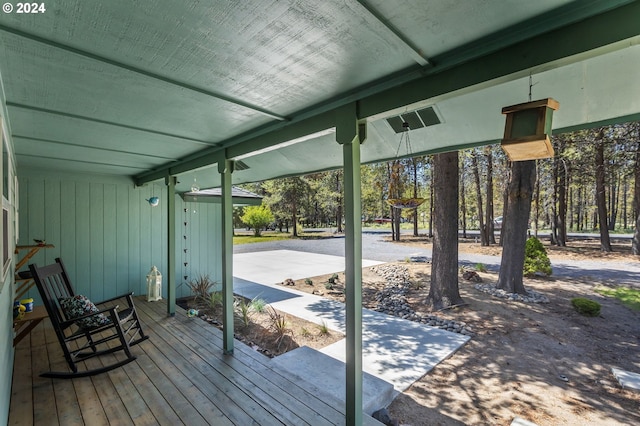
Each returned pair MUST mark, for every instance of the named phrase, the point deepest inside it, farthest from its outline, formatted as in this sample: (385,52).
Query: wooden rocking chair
(84,329)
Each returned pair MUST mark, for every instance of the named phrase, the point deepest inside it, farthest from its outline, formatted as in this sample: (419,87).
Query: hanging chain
(404,136)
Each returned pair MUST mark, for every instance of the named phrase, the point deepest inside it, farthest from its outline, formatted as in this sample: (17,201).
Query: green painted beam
(108,123)
(225,168)
(263,138)
(100,149)
(171,245)
(350,135)
(557,18)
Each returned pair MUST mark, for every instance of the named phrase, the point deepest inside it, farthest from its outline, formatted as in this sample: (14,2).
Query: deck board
(180,376)
(255,368)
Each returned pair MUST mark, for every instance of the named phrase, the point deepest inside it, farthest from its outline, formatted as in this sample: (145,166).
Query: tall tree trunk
(536,214)
(521,186)
(570,208)
(613,200)
(476,175)
(580,211)
(635,244)
(605,242)
(463,207)
(562,198)
(491,238)
(444,291)
(431,199)
(294,219)
(339,201)
(392,215)
(625,195)
(396,222)
(505,200)
(415,195)
(554,202)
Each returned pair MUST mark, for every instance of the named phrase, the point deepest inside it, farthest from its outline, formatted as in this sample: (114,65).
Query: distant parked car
(382,220)
(271,227)
(497,223)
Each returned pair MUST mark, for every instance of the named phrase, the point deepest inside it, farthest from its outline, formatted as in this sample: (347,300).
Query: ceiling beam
(69,160)
(133,69)
(415,53)
(108,123)
(96,148)
(574,38)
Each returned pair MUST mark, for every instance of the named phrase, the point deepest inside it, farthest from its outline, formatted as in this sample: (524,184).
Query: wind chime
(186,243)
(185,247)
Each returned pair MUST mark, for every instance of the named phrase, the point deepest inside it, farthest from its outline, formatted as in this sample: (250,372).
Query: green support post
(170,181)
(225,168)
(351,134)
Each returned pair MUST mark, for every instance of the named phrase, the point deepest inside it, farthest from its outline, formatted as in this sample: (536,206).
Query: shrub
(587,307)
(535,258)
(333,278)
(243,312)
(201,286)
(308,281)
(257,217)
(481,267)
(323,328)
(278,325)
(215,300)
(258,305)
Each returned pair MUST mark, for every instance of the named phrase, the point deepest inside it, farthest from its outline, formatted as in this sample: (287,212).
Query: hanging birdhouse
(528,129)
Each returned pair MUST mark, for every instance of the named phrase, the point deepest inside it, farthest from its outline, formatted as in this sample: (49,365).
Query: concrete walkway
(394,350)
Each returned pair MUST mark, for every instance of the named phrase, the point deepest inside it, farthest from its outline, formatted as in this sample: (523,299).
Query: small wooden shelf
(25,284)
(28,322)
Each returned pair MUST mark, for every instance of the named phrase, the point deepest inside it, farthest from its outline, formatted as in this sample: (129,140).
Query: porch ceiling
(143,89)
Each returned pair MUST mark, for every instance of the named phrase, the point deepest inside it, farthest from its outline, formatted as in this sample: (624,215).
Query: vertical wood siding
(109,236)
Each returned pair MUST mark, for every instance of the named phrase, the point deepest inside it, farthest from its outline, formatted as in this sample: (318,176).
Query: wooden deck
(180,377)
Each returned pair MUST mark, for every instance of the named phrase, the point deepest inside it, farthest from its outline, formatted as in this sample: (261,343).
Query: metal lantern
(154,285)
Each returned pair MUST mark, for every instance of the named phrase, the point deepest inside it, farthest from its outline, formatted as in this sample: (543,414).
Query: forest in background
(593,179)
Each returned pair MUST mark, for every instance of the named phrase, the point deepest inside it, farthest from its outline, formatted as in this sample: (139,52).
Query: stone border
(392,301)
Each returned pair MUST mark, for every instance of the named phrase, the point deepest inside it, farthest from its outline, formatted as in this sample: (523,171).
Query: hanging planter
(405,203)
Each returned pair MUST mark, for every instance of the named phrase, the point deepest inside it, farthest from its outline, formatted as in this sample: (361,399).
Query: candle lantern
(527,130)
(154,285)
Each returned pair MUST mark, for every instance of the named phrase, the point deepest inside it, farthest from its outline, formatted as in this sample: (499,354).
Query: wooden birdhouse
(527,130)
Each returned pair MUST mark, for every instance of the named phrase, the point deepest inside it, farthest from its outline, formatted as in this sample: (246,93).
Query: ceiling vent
(240,165)
(416,119)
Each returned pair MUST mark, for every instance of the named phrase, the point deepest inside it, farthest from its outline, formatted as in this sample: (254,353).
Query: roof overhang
(148,90)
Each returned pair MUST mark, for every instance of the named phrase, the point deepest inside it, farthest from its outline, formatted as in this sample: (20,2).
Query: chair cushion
(76,306)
